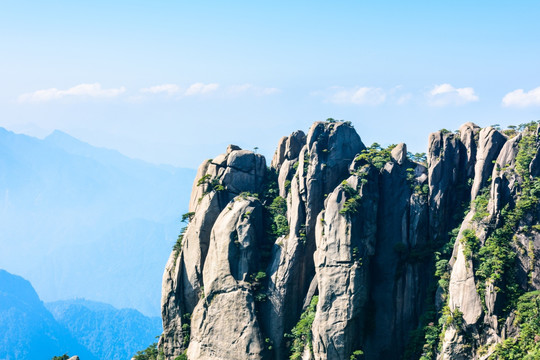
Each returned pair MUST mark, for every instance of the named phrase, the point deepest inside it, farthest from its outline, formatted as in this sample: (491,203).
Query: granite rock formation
(342,251)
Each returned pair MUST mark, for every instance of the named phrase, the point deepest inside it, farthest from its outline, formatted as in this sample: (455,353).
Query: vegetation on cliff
(401,255)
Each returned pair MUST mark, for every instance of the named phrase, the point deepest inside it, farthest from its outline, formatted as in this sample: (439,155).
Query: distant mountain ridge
(73,217)
(109,333)
(68,143)
(92,330)
(27,328)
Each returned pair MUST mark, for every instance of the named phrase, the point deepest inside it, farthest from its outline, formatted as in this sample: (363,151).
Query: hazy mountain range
(85,222)
(30,329)
(107,332)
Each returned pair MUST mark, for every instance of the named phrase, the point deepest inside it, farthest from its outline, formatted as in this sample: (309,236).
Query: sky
(175,82)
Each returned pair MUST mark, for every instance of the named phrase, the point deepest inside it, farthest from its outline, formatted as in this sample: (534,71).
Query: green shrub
(527,344)
(257,286)
(301,333)
(246,194)
(269,344)
(333,121)
(307,157)
(261,275)
(278,210)
(178,244)
(274,225)
(480,205)
(442,272)
(63,357)
(471,244)
(352,204)
(203,180)
(452,318)
(150,353)
(419,158)
(356,355)
(209,184)
(188,216)
(356,254)
(186,329)
(287,185)
(431,336)
(375,155)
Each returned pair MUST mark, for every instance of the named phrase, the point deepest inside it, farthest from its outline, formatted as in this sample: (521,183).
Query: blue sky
(175,82)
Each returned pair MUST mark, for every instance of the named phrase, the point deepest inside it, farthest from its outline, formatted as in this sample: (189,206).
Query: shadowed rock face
(364,234)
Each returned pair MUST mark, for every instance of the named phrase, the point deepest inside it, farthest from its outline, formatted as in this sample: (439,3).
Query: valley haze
(84,222)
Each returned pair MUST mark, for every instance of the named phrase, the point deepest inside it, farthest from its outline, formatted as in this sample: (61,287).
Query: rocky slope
(338,251)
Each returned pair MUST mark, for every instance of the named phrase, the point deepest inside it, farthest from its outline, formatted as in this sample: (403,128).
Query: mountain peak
(59,137)
(18,287)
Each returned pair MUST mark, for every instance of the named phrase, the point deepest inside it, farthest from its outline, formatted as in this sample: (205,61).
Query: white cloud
(519,98)
(173,89)
(446,94)
(269,91)
(235,89)
(165,88)
(82,90)
(249,88)
(404,99)
(201,88)
(358,96)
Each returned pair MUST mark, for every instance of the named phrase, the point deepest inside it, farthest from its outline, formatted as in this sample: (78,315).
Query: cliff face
(338,251)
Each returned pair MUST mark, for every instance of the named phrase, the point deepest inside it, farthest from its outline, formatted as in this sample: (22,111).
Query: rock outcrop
(322,164)
(346,240)
(224,322)
(338,251)
(218,181)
